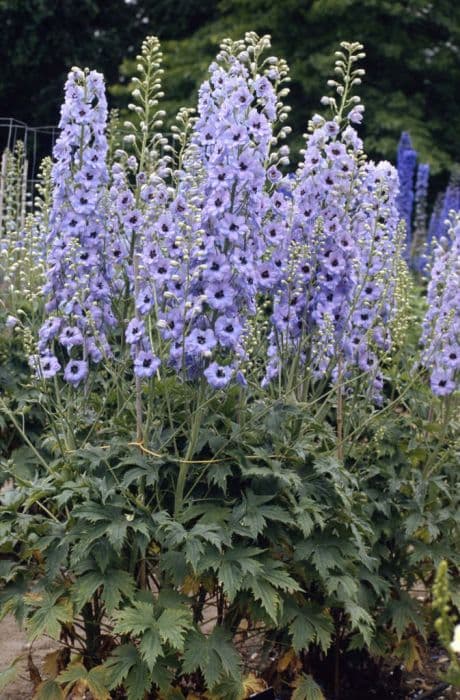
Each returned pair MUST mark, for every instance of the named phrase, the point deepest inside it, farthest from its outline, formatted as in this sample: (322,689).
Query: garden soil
(13,643)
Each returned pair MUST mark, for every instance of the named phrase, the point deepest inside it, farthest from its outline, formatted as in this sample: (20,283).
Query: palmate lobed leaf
(404,612)
(215,656)
(173,625)
(134,619)
(138,681)
(115,584)
(150,647)
(302,632)
(49,690)
(77,676)
(306,688)
(308,622)
(155,628)
(264,592)
(119,663)
(49,617)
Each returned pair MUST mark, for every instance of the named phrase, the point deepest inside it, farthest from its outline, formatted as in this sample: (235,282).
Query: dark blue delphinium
(406,163)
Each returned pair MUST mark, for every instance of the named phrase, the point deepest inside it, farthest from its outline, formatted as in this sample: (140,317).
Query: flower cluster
(334,305)
(216,259)
(441,327)
(446,202)
(419,238)
(79,272)
(406,162)
(204,264)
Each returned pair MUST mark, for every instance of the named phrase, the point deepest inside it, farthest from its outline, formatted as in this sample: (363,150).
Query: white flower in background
(455,643)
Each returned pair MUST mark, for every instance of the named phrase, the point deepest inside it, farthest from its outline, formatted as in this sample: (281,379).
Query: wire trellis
(38,142)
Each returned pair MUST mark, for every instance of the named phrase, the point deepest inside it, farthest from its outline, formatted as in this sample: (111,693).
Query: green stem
(184,464)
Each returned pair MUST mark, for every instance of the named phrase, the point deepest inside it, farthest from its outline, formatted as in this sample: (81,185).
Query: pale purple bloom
(145,364)
(75,371)
(134,331)
(217,375)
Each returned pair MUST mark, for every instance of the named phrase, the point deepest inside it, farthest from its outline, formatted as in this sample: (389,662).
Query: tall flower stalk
(441,326)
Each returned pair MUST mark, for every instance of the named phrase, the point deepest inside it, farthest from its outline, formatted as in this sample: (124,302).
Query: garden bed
(390,684)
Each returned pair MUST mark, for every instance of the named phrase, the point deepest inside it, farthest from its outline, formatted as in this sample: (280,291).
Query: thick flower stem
(185,463)
(340,411)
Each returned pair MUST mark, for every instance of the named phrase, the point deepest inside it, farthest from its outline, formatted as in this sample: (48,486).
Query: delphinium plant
(406,163)
(219,369)
(445,203)
(441,328)
(22,245)
(420,227)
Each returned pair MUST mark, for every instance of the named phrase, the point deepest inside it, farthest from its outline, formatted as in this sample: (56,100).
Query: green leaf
(403,612)
(194,549)
(49,617)
(150,648)
(173,624)
(360,620)
(215,656)
(230,576)
(306,688)
(345,587)
(114,582)
(119,664)
(138,681)
(275,573)
(116,533)
(49,690)
(254,512)
(324,629)
(117,583)
(94,680)
(302,632)
(218,474)
(265,593)
(135,619)
(325,559)
(84,588)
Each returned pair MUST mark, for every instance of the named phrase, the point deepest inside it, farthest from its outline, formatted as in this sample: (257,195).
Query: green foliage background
(413,57)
